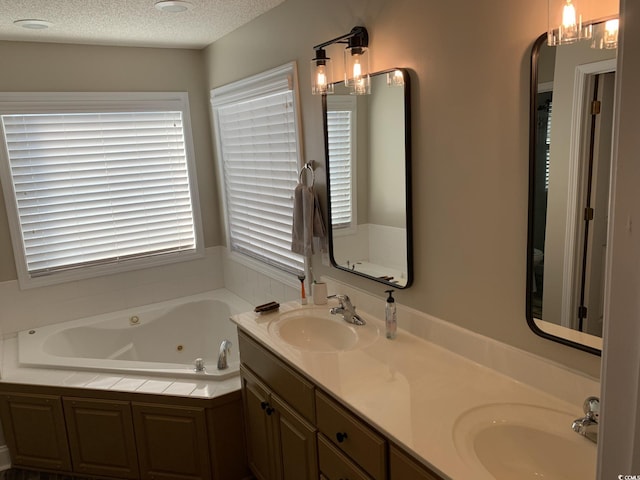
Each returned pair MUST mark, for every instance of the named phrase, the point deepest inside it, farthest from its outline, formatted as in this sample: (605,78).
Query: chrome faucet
(347,310)
(225,350)
(588,425)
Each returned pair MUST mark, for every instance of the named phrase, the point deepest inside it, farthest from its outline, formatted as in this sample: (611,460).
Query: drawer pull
(341,436)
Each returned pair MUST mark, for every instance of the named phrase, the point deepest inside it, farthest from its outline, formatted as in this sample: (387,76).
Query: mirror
(572,111)
(368,164)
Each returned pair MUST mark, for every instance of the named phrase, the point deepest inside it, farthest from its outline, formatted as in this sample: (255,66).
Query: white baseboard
(5,458)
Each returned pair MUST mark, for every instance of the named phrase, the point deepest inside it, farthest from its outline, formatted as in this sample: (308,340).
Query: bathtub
(163,339)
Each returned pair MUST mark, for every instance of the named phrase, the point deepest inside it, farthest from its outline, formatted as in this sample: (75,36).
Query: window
(256,130)
(341,122)
(98,183)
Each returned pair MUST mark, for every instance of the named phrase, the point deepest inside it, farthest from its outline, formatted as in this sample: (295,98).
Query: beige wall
(386,183)
(54,67)
(470,107)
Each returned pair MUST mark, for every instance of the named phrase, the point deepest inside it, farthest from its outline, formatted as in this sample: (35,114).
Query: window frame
(94,102)
(252,87)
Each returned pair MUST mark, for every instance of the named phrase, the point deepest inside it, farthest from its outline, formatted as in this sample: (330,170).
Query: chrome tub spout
(225,350)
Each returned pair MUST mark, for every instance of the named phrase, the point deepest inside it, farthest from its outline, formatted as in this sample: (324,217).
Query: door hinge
(595,107)
(588,213)
(582,311)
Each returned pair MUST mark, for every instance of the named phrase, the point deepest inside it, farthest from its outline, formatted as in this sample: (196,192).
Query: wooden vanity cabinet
(295,431)
(403,467)
(280,443)
(35,431)
(101,437)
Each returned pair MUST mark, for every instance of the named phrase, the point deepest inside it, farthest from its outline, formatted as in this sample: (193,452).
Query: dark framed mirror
(571,131)
(368,165)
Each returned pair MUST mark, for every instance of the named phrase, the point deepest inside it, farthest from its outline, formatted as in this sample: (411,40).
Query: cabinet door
(35,431)
(101,437)
(257,415)
(172,442)
(405,468)
(295,440)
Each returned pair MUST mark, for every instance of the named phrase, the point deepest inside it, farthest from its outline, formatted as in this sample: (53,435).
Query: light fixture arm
(357,37)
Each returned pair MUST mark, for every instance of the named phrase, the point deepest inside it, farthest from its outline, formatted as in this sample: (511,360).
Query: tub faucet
(347,310)
(588,425)
(225,350)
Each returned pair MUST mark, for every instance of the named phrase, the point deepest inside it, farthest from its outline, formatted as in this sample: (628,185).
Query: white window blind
(547,148)
(339,126)
(257,139)
(99,188)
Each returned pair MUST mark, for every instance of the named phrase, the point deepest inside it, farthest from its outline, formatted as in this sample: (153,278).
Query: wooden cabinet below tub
(121,435)
(101,437)
(35,431)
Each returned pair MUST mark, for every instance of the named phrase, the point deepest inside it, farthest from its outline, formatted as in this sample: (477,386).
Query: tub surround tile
(128,384)
(103,382)
(216,389)
(80,379)
(180,388)
(154,386)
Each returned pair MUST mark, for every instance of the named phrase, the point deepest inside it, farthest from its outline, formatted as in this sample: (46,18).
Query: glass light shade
(356,70)
(395,78)
(321,76)
(565,23)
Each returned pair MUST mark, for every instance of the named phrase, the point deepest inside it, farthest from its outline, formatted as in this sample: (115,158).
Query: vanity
(294,429)
(326,399)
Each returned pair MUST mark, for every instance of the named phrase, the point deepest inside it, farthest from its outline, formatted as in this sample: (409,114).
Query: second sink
(524,442)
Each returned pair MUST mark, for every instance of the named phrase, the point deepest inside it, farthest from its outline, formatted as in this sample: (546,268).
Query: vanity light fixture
(356,64)
(605,35)
(565,23)
(173,6)
(321,73)
(395,78)
(33,24)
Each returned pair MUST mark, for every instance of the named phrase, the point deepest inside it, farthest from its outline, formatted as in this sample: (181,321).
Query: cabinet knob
(341,436)
(264,405)
(269,410)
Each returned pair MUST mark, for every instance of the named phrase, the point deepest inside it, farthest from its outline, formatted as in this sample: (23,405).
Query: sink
(316,330)
(525,442)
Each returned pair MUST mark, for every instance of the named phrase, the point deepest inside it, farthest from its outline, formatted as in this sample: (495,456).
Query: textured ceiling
(128,22)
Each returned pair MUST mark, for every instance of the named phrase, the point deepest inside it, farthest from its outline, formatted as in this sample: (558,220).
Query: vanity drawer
(289,385)
(353,437)
(334,465)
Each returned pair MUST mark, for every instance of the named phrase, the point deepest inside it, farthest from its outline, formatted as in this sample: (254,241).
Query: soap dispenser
(390,318)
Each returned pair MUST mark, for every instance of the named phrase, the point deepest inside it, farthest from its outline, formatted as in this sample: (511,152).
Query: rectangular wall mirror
(368,164)
(572,99)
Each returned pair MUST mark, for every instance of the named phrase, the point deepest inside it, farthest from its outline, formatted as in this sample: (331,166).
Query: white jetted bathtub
(160,339)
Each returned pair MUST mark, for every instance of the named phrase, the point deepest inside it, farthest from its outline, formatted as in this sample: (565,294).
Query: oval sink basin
(318,331)
(524,442)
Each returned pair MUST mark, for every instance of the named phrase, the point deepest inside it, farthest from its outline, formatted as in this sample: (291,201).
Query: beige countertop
(414,391)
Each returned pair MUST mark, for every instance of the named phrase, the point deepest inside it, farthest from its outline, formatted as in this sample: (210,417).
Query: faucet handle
(343,299)
(591,407)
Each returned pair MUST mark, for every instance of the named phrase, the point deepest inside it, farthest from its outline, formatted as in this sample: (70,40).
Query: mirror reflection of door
(599,117)
(570,189)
